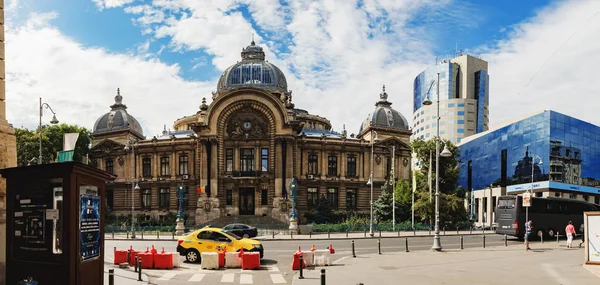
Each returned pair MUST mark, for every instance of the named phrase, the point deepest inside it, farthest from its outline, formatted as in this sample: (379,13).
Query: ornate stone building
(246,145)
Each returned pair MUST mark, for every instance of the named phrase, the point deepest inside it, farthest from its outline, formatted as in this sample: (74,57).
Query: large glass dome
(252,71)
(385,116)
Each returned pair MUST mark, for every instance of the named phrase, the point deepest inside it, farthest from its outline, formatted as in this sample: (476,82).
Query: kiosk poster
(592,233)
(89,219)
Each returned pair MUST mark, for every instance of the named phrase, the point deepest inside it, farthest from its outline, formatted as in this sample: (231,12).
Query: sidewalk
(547,263)
(124,276)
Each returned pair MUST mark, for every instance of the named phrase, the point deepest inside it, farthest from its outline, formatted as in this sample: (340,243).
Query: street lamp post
(53,121)
(531,190)
(437,244)
(179,226)
(131,144)
(373,141)
(293,218)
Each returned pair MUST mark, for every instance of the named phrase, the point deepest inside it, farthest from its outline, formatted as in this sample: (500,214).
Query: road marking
(167,276)
(550,270)
(246,279)
(277,279)
(227,278)
(197,277)
(273,268)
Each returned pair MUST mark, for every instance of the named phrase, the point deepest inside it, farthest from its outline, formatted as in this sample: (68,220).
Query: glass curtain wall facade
(568,148)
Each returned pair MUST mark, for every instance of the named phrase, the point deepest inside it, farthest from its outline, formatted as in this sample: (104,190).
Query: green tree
(403,200)
(448,165)
(382,207)
(52,143)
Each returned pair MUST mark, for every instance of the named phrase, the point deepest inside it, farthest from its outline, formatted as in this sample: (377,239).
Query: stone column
(214,170)
(8,150)
(278,174)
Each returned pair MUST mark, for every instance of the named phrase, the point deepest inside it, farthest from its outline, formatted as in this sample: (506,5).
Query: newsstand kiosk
(55,223)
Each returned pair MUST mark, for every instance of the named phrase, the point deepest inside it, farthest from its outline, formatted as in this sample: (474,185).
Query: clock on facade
(247,125)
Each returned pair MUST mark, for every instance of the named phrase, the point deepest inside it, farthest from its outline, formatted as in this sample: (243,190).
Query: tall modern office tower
(464,93)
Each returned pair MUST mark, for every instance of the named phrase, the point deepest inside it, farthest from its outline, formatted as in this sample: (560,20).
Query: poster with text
(592,233)
(89,226)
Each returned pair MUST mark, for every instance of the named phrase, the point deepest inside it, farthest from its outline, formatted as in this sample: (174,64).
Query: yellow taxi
(213,240)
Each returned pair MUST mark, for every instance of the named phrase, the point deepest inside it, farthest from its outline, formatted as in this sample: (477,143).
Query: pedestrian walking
(582,230)
(570,230)
(528,227)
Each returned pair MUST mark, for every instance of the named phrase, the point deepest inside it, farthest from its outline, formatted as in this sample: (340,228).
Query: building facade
(243,149)
(551,153)
(8,148)
(464,94)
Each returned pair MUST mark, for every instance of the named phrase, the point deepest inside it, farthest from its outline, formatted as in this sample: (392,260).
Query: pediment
(107,146)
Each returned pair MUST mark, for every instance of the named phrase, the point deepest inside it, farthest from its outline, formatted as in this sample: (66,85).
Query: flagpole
(393,189)
(414,187)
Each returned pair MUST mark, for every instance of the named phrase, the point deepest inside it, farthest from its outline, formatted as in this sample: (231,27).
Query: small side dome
(117,119)
(252,71)
(384,116)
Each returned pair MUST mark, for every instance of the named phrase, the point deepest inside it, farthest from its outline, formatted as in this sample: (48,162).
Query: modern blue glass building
(464,96)
(551,153)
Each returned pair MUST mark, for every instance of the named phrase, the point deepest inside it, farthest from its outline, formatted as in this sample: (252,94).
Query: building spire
(252,43)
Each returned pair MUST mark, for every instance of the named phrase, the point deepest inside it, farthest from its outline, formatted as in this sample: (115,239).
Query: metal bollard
(310,234)
(505,240)
(274,234)
(483,241)
(542,238)
(301,263)
(557,235)
(291,234)
(127,235)
(113,236)
(140,270)
(379,246)
(328,234)
(444,230)
(414,232)
(379,233)
(429,231)
(470,230)
(457,230)
(136,264)
(365,233)
(462,244)
(111,277)
(322,276)
(353,252)
(346,233)
(128,255)
(157,234)
(173,235)
(398,232)
(405,244)
(142,234)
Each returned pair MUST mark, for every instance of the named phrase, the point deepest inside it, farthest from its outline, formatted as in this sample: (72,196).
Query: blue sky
(163,53)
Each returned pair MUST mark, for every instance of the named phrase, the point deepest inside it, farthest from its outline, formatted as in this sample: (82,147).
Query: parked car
(242,230)
(213,240)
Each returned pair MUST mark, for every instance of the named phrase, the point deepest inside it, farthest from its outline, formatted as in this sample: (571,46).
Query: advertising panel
(592,237)
(89,226)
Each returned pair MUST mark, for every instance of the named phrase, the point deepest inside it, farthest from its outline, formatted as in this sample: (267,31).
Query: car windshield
(233,235)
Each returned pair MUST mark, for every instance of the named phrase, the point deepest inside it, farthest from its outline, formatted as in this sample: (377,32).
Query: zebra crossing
(271,275)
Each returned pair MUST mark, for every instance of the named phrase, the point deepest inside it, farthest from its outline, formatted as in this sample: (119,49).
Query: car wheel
(192,256)
(245,236)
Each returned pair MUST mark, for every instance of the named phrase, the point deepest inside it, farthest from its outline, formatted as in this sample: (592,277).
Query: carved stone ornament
(207,206)
(121,160)
(284,207)
(246,125)
(106,148)
(378,159)
(405,162)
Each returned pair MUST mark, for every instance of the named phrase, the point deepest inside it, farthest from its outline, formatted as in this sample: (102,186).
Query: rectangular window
(351,198)
(164,166)
(110,166)
(332,197)
(229,160)
(165,198)
(460,131)
(147,167)
(247,159)
(264,197)
(351,166)
(596,200)
(557,194)
(183,164)
(264,160)
(312,197)
(229,197)
(477,209)
(450,105)
(147,198)
(332,165)
(460,122)
(313,161)
(571,196)
(461,105)
(461,113)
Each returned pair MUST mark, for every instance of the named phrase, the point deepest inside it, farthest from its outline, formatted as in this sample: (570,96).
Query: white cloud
(102,4)
(567,82)
(80,82)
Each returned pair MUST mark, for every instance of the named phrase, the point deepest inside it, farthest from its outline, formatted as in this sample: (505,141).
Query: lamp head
(445,152)
(126,148)
(54,121)
(370,180)
(427,101)
(137,187)
(375,138)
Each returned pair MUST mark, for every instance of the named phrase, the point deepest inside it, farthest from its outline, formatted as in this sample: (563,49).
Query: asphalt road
(276,264)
